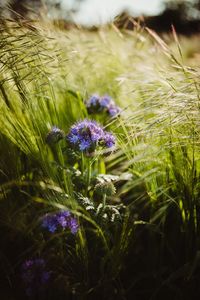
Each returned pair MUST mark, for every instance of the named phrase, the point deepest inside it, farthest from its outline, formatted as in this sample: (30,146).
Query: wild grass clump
(99,166)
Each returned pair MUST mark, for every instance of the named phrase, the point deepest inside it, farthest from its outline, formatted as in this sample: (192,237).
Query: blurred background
(156,14)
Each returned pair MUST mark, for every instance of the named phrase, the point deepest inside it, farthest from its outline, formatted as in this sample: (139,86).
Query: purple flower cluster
(35,276)
(54,135)
(86,135)
(62,219)
(98,104)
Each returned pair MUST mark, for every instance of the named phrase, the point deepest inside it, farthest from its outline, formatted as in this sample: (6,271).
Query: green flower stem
(88,174)
(86,168)
(82,163)
(104,200)
(64,174)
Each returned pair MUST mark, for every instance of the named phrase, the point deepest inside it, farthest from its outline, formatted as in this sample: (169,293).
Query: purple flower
(73,225)
(106,101)
(33,262)
(45,277)
(98,104)
(113,110)
(61,219)
(86,135)
(94,100)
(50,222)
(27,264)
(54,135)
(35,276)
(84,144)
(109,140)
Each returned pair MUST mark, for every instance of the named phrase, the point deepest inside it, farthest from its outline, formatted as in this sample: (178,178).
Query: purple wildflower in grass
(98,104)
(34,276)
(94,100)
(73,225)
(54,135)
(50,222)
(86,135)
(113,110)
(84,144)
(45,276)
(61,219)
(106,101)
(109,140)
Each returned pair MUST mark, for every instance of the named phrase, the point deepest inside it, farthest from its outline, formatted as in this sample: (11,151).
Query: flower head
(94,100)
(54,135)
(86,135)
(106,188)
(61,219)
(34,275)
(97,104)
(73,225)
(109,140)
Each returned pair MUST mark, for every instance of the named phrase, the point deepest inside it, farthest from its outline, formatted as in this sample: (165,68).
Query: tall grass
(152,251)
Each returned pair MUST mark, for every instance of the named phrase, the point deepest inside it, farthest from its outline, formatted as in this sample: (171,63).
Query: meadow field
(99,164)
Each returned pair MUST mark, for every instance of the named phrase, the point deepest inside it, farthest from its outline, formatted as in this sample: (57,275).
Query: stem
(82,163)
(104,200)
(64,173)
(88,174)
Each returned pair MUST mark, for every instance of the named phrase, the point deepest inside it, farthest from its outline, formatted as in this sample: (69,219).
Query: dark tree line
(183,15)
